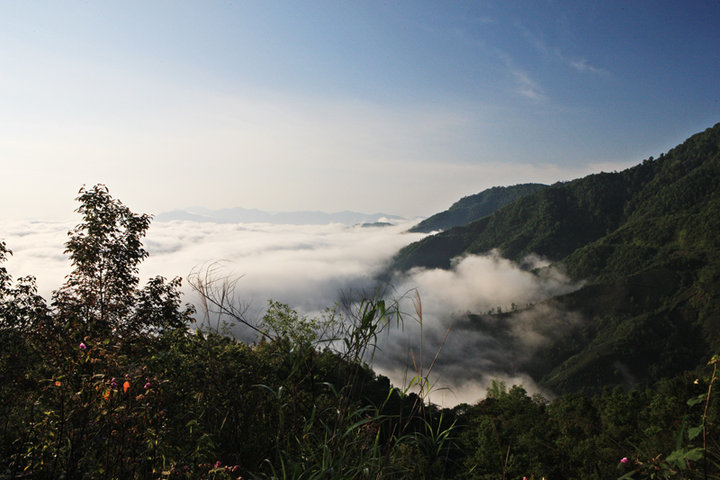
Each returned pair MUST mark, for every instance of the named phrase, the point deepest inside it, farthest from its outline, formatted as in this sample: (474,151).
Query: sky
(400,107)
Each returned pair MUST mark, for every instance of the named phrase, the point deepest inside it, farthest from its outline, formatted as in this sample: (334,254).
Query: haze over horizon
(399,107)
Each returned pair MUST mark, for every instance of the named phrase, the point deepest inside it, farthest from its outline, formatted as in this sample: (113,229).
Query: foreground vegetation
(108,381)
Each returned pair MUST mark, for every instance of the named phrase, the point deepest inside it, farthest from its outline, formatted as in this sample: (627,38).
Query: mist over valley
(314,266)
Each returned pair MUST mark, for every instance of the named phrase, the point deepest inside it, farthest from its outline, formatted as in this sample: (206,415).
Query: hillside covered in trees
(644,243)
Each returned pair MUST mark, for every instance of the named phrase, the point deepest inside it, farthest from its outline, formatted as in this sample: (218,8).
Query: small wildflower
(57,383)
(218,464)
(147,385)
(624,460)
(82,346)
(126,386)
(113,383)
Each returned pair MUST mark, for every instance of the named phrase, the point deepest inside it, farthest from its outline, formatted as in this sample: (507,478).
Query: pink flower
(82,346)
(218,464)
(147,385)
(624,460)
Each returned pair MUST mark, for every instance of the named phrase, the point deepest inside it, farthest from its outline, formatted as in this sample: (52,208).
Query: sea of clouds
(311,267)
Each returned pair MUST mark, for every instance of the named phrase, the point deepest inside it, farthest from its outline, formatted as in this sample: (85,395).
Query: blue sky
(402,107)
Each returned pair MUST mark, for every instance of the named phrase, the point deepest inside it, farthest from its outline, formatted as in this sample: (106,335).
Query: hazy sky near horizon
(401,107)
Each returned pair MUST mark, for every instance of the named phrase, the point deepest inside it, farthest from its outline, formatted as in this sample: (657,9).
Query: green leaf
(694,431)
(695,454)
(699,399)
(681,457)
(677,458)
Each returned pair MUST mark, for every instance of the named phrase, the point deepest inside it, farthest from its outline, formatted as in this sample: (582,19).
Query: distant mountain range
(244,215)
(646,244)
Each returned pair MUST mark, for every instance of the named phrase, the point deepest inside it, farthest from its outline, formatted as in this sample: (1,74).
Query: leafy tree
(20,304)
(105,250)
(100,295)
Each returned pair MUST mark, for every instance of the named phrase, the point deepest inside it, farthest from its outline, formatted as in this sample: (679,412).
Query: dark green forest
(107,379)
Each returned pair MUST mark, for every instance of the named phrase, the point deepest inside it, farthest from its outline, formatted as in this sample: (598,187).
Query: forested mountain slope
(552,222)
(669,202)
(645,241)
(475,207)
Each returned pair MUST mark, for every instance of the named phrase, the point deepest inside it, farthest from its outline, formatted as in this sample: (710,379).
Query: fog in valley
(311,267)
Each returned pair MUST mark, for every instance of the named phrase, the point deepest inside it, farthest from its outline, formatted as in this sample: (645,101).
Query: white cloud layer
(303,265)
(311,266)
(474,350)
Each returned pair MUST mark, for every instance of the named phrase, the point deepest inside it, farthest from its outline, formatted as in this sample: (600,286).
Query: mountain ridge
(644,241)
(474,207)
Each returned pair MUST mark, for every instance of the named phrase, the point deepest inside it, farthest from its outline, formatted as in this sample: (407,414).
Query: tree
(20,304)
(4,276)
(100,296)
(80,396)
